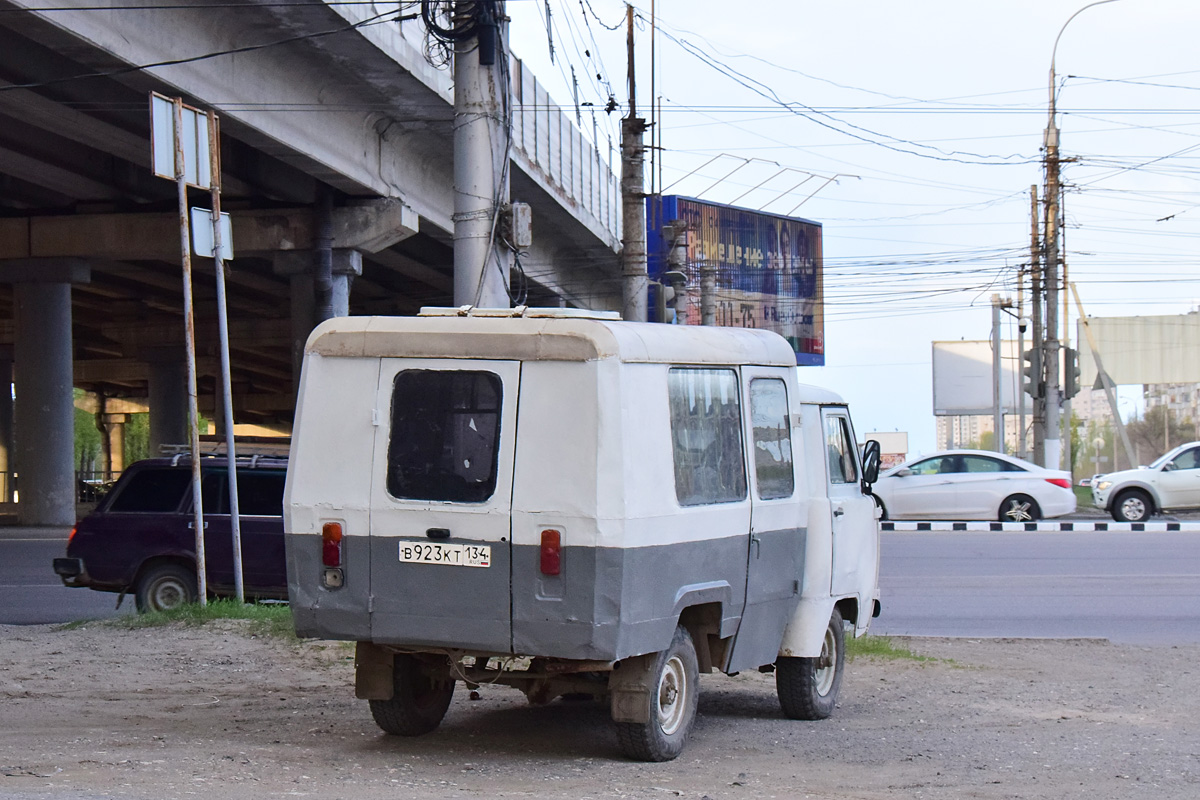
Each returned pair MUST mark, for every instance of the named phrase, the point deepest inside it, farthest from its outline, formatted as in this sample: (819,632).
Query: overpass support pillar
(7,449)
(44,412)
(299,265)
(168,399)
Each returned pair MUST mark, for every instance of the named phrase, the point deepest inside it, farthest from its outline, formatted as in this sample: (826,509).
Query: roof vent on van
(520,311)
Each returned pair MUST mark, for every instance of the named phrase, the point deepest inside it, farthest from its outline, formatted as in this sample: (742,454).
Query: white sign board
(202,234)
(962,378)
(1136,350)
(193,137)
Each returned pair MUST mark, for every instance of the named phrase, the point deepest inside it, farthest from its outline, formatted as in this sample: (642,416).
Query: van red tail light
(1063,482)
(331,544)
(74,531)
(551,561)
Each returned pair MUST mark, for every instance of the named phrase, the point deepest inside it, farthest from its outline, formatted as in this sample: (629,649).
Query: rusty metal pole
(190,342)
(214,155)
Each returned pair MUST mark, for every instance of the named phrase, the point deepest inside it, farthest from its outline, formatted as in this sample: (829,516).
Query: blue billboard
(768,269)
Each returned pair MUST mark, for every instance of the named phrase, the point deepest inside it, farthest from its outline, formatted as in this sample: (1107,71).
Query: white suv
(1171,482)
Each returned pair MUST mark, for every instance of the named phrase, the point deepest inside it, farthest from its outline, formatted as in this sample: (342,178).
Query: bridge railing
(548,146)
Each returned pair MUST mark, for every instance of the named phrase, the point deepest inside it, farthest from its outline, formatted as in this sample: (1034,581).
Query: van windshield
(445,435)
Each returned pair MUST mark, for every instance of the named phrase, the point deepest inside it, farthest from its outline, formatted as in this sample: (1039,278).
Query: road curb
(1053,527)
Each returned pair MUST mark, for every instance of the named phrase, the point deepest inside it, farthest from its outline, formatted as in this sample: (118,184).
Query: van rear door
(441,502)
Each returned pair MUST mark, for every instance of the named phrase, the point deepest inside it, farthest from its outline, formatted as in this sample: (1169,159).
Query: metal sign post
(223,329)
(192,140)
(190,342)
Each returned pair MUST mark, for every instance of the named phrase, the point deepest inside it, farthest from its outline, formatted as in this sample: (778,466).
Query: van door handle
(754,540)
(837,512)
(438,533)
(192,525)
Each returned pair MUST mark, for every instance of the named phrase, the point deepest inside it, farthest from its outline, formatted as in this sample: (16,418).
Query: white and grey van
(568,503)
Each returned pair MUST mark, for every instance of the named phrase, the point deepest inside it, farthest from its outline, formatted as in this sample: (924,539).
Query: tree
(1157,432)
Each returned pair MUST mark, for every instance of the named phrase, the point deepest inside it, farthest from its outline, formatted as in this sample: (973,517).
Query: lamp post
(1051,261)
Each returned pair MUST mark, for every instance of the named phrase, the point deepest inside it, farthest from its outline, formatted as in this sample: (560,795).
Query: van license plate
(455,555)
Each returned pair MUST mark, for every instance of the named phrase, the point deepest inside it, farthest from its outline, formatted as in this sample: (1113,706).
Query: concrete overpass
(316,100)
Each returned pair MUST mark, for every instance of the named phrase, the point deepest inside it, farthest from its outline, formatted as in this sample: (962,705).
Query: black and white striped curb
(1048,526)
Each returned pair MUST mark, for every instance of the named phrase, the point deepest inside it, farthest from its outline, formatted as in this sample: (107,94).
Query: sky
(922,125)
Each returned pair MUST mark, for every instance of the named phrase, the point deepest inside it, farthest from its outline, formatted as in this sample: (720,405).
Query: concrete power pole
(1050,259)
(481,154)
(634,281)
(998,304)
(1036,305)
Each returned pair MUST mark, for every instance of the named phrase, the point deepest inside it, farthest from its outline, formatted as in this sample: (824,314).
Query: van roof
(819,396)
(548,338)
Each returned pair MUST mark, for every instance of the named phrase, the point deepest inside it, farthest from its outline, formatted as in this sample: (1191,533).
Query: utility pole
(1022,450)
(998,303)
(1051,260)
(1051,253)
(634,281)
(1035,291)
(481,132)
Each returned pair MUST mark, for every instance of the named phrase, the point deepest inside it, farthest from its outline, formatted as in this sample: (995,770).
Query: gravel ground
(98,712)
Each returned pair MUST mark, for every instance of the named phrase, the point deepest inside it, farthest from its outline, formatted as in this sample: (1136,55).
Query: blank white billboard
(1143,349)
(962,378)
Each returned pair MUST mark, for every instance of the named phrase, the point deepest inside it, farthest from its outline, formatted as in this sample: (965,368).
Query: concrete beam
(140,237)
(45,270)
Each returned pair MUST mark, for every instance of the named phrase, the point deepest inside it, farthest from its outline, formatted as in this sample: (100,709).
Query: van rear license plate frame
(452,555)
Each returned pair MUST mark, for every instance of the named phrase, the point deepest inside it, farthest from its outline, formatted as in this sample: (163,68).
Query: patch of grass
(266,619)
(1083,496)
(881,647)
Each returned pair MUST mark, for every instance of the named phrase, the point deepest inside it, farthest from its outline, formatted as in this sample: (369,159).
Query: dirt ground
(213,712)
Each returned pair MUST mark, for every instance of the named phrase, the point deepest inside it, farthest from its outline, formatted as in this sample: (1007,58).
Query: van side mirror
(871,451)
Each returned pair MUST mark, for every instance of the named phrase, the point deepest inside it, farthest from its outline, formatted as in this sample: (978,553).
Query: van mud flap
(629,687)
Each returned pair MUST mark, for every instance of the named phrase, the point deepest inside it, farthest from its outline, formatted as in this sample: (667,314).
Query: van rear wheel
(808,687)
(419,699)
(164,587)
(674,682)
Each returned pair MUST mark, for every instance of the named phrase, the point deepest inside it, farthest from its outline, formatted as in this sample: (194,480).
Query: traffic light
(1070,372)
(670,291)
(1032,369)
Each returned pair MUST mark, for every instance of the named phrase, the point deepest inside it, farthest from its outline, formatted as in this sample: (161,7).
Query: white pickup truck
(567,503)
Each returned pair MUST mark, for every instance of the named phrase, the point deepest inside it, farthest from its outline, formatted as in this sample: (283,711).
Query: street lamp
(1053,394)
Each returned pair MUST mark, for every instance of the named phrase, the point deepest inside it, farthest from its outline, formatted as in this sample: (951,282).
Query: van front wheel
(674,691)
(419,699)
(808,687)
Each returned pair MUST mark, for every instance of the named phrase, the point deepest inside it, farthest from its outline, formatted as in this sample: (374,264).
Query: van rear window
(706,431)
(445,436)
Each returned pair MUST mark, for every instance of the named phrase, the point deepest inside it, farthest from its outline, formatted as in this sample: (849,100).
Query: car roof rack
(254,451)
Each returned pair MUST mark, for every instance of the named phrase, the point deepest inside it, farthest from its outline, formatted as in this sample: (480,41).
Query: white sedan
(974,484)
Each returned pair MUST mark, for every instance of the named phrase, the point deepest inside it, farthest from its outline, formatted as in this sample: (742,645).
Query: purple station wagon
(141,537)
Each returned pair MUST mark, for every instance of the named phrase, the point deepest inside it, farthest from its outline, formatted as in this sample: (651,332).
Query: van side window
(706,431)
(772,438)
(153,491)
(445,436)
(840,446)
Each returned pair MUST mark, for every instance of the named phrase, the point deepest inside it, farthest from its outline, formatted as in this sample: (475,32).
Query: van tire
(808,687)
(163,587)
(419,699)
(674,691)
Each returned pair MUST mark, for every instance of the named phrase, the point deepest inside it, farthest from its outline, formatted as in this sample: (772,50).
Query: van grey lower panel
(610,603)
(328,613)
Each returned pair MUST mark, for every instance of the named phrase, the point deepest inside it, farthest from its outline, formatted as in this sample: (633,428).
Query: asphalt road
(1133,588)
(1138,588)
(30,592)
